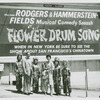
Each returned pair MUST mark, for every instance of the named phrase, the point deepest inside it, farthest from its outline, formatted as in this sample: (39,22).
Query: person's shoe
(59,93)
(19,91)
(44,93)
(27,93)
(31,92)
(56,94)
(51,94)
(69,94)
(47,93)
(65,94)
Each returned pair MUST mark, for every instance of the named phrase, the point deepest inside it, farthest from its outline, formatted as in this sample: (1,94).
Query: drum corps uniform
(66,80)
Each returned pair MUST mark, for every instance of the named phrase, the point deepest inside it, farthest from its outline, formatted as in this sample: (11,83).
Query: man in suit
(27,69)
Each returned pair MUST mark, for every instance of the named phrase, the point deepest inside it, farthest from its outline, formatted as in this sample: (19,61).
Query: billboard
(49,31)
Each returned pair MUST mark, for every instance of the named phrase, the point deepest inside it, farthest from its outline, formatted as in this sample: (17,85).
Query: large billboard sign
(47,31)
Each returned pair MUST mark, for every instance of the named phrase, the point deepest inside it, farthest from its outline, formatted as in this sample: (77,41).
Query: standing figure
(36,75)
(44,79)
(66,78)
(50,67)
(27,69)
(57,76)
(19,72)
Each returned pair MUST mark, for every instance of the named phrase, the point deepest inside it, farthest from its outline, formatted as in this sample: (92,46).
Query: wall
(78,74)
(7,76)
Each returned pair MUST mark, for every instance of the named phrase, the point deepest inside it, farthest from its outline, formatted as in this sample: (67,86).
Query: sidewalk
(9,91)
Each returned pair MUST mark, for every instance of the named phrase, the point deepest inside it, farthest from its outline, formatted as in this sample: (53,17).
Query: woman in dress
(36,75)
(19,72)
(50,67)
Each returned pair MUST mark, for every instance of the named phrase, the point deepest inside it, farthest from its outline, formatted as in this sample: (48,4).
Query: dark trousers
(18,81)
(66,86)
(57,88)
(35,85)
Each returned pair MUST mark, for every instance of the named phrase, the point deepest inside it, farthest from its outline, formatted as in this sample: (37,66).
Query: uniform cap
(57,59)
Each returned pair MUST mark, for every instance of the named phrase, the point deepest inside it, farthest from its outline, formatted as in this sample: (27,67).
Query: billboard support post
(86,79)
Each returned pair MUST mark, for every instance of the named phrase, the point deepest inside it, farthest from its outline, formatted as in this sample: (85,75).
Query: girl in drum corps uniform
(44,79)
(66,73)
(57,76)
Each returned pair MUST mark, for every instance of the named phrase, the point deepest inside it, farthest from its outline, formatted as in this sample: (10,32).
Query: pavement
(9,91)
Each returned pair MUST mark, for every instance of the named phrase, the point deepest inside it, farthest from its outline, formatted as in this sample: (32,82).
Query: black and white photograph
(49,49)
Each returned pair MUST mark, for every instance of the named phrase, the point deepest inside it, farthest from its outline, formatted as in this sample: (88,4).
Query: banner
(55,32)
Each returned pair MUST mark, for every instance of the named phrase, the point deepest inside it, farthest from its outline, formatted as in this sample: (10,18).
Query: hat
(65,61)
(35,58)
(57,59)
(27,52)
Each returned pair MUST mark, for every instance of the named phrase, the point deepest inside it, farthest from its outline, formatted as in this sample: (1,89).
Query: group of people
(29,73)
